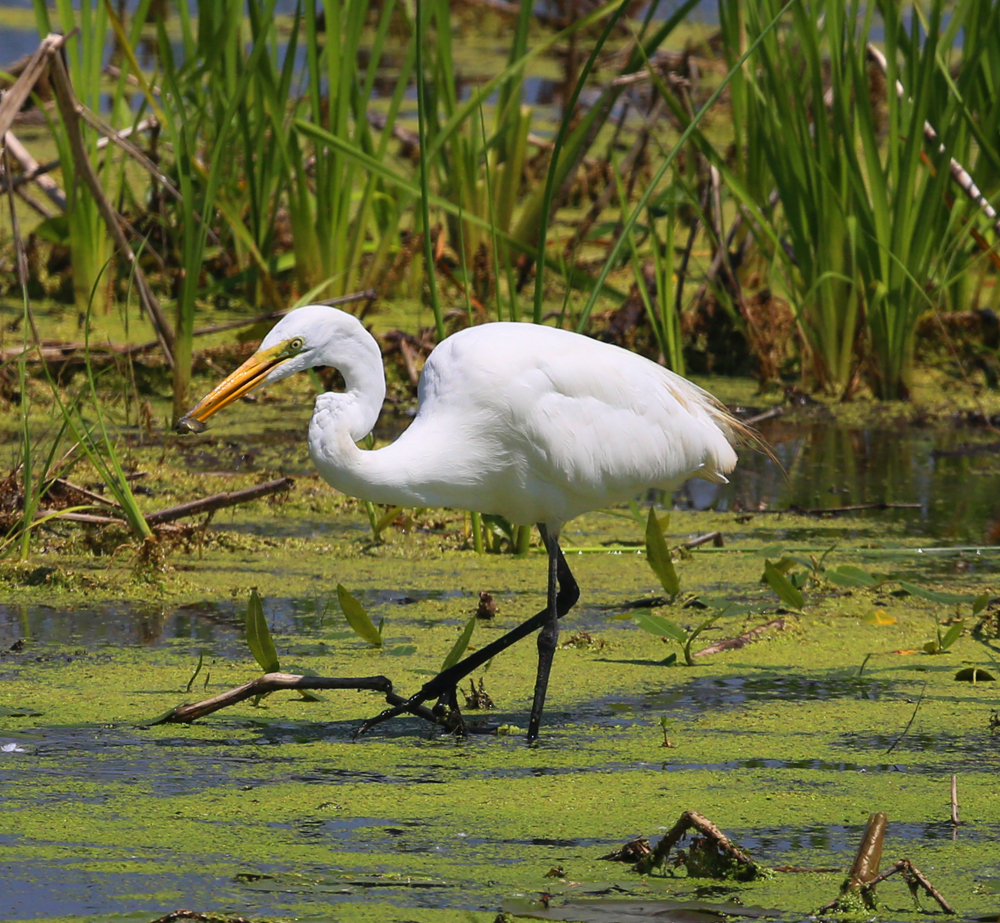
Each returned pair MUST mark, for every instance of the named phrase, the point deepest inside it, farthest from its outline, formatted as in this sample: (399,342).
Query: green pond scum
(278,812)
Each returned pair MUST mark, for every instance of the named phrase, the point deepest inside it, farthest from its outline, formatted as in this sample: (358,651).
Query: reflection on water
(953,484)
(219,625)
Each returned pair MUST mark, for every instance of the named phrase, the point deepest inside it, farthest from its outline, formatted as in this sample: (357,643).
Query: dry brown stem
(270,682)
(731,644)
(70,108)
(220,501)
(691,820)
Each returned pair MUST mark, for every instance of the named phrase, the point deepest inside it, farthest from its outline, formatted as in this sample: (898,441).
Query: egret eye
(295,344)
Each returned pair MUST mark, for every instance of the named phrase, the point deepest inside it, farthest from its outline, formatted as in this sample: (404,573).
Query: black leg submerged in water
(563,592)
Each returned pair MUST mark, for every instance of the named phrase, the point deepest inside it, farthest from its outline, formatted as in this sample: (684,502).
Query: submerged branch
(692,820)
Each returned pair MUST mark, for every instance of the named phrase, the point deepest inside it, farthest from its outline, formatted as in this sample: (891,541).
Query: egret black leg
(447,680)
(548,636)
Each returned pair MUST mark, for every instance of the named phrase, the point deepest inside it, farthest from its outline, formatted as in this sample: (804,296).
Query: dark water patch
(59,889)
(809,844)
(977,751)
(711,694)
(122,758)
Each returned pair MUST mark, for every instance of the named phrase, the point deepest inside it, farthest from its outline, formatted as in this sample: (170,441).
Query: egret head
(298,341)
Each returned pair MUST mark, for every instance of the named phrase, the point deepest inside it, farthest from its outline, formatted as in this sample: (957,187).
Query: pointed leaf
(934,596)
(657,625)
(847,575)
(259,638)
(658,556)
(787,593)
(388,518)
(980,603)
(953,634)
(458,649)
(357,618)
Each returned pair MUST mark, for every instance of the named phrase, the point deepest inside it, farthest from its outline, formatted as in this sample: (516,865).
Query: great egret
(529,422)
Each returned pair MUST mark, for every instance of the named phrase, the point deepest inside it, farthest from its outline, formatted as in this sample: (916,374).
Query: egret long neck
(359,360)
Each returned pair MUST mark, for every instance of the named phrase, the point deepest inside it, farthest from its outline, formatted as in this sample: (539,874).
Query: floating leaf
(657,625)
(974,675)
(357,618)
(879,617)
(787,593)
(259,638)
(848,575)
(403,650)
(658,556)
(458,649)
(946,599)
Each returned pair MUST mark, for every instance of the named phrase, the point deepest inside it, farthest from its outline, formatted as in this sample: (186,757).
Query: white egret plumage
(533,423)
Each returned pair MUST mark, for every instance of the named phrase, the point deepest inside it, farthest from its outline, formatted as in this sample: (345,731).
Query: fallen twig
(914,878)
(766,415)
(714,537)
(32,169)
(732,644)
(832,510)
(909,723)
(269,682)
(219,501)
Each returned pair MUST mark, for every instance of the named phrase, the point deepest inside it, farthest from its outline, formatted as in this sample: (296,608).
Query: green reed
(869,221)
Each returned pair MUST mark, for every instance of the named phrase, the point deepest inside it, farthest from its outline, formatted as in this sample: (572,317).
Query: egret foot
(562,596)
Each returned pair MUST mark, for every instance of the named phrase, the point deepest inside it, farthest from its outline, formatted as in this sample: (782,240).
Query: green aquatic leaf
(953,634)
(980,603)
(848,575)
(358,618)
(946,599)
(659,626)
(788,594)
(658,555)
(688,656)
(259,638)
(459,647)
